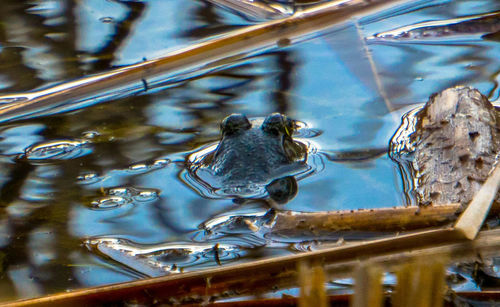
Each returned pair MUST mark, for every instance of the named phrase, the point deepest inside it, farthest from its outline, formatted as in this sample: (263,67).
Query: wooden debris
(457,143)
(379,220)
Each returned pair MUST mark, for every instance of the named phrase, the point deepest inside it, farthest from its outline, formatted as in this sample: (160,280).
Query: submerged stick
(211,53)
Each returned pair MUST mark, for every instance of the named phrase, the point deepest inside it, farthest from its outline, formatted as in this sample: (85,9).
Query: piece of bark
(457,143)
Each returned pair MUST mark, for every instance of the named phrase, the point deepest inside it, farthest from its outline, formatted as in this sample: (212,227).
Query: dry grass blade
(312,285)
(472,219)
(420,283)
(211,53)
(368,290)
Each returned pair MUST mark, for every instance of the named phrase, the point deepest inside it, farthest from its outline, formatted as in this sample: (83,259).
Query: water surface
(96,195)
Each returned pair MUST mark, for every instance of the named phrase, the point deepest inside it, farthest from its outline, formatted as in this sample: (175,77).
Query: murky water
(97,195)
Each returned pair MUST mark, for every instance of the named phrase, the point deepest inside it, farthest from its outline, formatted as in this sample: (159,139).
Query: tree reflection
(35,207)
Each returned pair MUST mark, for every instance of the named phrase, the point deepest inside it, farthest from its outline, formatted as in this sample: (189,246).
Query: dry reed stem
(368,291)
(311,279)
(420,283)
(471,220)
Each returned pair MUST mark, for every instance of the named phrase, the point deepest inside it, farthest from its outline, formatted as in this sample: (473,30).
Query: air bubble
(89,178)
(109,202)
(107,19)
(57,151)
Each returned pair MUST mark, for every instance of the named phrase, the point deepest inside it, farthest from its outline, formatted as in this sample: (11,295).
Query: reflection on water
(401,148)
(108,174)
(161,259)
(442,30)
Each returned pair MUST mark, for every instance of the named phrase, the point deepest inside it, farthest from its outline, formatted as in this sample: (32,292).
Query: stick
(367,220)
(377,220)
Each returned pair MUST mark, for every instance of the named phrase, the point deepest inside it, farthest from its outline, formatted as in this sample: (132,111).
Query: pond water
(99,195)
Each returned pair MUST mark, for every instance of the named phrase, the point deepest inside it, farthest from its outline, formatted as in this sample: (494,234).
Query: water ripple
(161,259)
(57,151)
(110,202)
(119,196)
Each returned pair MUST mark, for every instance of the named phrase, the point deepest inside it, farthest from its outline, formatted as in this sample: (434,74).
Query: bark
(457,143)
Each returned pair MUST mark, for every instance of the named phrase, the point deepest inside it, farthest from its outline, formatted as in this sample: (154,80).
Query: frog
(254,158)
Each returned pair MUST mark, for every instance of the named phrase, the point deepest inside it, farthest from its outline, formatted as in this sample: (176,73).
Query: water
(96,195)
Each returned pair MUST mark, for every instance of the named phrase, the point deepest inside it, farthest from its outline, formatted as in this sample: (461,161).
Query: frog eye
(235,123)
(277,123)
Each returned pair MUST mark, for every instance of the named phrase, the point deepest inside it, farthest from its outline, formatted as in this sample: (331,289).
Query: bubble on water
(57,151)
(120,191)
(119,196)
(109,202)
(145,167)
(135,193)
(107,19)
(90,134)
(139,167)
(88,178)
(303,130)
(160,163)
(146,195)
